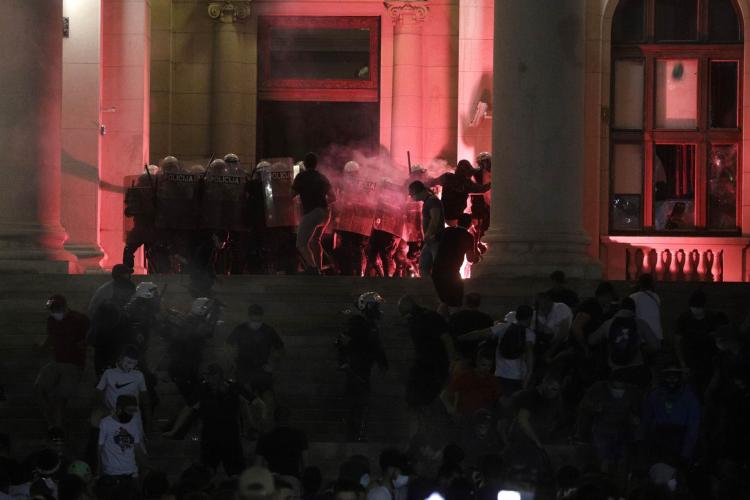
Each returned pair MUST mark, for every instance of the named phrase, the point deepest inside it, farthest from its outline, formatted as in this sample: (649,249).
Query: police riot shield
(222,202)
(389,215)
(281,209)
(413,222)
(354,210)
(139,196)
(175,198)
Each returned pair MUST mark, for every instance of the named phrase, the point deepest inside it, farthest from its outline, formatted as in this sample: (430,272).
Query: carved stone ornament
(407,11)
(229,11)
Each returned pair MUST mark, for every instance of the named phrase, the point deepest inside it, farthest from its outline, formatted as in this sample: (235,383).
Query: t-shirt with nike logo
(116,382)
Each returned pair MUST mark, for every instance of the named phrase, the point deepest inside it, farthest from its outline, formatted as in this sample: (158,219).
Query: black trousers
(225,450)
(357,396)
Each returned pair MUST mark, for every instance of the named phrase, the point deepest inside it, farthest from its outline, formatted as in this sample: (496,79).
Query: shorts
(59,380)
(312,226)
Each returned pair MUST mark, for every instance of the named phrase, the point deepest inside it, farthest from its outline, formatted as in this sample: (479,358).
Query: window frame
(703,137)
(323,89)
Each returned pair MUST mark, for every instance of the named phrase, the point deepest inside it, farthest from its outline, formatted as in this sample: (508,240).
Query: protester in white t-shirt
(648,305)
(122,380)
(121,439)
(552,320)
(514,358)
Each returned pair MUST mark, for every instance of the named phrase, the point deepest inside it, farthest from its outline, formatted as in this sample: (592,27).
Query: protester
(58,380)
(648,304)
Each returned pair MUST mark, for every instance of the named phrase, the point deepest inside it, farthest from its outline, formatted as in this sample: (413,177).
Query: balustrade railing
(676,259)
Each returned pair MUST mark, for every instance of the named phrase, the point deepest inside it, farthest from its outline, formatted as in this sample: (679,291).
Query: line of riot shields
(233,221)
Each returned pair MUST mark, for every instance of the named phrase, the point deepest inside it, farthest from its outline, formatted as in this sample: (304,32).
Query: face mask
(672,484)
(400,481)
(364,481)
(617,393)
(255,324)
(58,316)
(698,312)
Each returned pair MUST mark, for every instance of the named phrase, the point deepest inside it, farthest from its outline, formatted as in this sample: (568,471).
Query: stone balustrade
(700,259)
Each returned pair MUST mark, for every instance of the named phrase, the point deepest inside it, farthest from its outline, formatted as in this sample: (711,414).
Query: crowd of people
(280,217)
(561,398)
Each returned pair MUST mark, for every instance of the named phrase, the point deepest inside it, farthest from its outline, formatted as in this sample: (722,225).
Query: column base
(34,248)
(536,254)
(88,257)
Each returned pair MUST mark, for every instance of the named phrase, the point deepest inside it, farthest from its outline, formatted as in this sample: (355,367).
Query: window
(319,58)
(676,117)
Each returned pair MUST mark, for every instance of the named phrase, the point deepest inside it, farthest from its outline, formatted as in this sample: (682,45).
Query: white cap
(146,290)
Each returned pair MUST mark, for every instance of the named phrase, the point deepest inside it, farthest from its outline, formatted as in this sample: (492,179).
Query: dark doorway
(292,128)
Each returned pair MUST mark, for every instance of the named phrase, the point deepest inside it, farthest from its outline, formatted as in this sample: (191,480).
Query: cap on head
(200,306)
(146,290)
(255,483)
(80,469)
(368,298)
(56,302)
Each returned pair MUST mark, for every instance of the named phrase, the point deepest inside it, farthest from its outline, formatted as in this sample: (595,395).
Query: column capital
(407,11)
(229,11)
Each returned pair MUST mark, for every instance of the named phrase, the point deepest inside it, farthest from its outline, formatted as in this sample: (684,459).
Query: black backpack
(624,341)
(513,343)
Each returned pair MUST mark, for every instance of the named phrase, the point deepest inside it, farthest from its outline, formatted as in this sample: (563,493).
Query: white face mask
(58,316)
(255,324)
(698,312)
(364,481)
(400,481)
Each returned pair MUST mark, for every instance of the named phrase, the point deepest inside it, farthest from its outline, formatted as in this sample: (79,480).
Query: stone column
(80,132)
(537,175)
(227,78)
(406,125)
(31,237)
(474,77)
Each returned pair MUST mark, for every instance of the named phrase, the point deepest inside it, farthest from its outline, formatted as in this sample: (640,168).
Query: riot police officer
(140,204)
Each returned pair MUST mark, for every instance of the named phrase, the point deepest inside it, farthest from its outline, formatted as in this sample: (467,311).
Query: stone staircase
(307,313)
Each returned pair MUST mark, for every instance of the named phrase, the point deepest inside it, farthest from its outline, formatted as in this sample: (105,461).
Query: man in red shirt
(58,380)
(474,388)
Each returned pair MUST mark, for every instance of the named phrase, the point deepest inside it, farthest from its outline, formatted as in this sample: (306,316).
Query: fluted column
(227,77)
(406,126)
(537,175)
(31,237)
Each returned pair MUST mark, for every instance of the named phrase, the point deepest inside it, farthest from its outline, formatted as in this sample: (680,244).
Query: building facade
(616,126)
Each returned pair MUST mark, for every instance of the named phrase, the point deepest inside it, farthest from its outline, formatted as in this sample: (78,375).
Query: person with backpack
(514,355)
(628,340)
